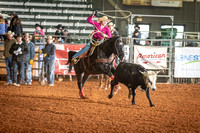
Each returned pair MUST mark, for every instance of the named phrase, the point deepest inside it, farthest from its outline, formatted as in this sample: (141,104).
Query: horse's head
(118,47)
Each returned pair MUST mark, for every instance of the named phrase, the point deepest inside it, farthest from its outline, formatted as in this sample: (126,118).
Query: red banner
(62,50)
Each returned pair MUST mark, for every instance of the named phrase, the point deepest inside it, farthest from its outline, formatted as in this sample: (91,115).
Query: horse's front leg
(84,79)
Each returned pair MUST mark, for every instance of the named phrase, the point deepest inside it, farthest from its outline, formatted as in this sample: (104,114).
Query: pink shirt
(97,26)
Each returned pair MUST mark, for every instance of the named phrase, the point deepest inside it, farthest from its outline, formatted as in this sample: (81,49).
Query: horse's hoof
(110,96)
(133,103)
(81,94)
(129,96)
(152,105)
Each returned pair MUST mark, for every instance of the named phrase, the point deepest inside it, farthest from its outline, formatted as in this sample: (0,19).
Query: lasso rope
(111,11)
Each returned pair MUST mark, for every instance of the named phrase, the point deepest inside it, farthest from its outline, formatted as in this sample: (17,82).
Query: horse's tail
(70,55)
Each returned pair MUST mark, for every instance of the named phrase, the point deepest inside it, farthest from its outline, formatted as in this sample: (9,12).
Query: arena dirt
(55,109)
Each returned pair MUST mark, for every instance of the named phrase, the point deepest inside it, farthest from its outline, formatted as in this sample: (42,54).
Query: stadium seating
(72,14)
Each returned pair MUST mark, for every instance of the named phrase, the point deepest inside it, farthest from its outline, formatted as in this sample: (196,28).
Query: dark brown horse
(100,62)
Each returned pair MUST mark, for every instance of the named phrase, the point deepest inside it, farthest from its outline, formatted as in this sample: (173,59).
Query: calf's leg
(149,98)
(113,83)
(130,93)
(133,93)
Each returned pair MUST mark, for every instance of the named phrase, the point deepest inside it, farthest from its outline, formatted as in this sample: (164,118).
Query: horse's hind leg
(100,81)
(79,82)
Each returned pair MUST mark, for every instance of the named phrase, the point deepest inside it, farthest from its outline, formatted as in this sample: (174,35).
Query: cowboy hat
(111,24)
(10,33)
(49,37)
(19,35)
(26,34)
(59,26)
(137,26)
(38,25)
(103,18)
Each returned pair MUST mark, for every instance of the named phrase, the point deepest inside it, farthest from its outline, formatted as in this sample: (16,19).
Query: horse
(100,62)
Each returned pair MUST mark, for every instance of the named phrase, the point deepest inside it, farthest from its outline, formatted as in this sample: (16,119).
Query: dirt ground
(55,109)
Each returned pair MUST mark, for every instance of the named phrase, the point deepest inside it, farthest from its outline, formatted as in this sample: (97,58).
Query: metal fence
(165,75)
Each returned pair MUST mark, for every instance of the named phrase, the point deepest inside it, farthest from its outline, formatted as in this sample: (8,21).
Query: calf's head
(150,78)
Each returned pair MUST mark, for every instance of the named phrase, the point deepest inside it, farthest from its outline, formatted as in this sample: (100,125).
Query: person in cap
(3,27)
(29,58)
(59,32)
(15,24)
(19,50)
(113,31)
(8,57)
(136,34)
(102,31)
(49,59)
(38,32)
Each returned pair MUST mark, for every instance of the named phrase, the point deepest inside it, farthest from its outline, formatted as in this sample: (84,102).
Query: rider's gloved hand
(96,13)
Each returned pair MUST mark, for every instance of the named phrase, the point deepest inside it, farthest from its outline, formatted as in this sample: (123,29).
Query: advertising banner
(151,57)
(187,62)
(126,52)
(62,50)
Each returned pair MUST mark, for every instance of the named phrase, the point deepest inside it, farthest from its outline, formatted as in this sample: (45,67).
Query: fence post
(131,51)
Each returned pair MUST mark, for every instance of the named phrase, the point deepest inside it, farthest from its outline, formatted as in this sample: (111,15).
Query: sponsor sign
(61,66)
(187,62)
(151,57)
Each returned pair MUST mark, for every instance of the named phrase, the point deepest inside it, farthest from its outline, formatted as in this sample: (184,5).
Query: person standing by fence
(49,60)
(29,58)
(8,57)
(19,51)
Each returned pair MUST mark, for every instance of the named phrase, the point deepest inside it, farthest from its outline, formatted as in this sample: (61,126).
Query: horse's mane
(110,39)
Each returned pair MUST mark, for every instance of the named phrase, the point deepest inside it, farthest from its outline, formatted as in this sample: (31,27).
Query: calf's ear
(156,72)
(144,73)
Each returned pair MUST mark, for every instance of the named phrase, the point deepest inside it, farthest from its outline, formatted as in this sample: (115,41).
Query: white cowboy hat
(26,34)
(49,37)
(10,33)
(111,24)
(103,18)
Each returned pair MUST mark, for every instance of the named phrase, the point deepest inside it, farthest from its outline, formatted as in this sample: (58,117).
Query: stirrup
(75,60)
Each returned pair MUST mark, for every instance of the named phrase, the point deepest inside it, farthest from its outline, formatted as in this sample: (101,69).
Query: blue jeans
(83,50)
(28,72)
(20,66)
(9,69)
(50,69)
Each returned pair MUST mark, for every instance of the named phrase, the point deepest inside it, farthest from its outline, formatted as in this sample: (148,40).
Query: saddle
(87,53)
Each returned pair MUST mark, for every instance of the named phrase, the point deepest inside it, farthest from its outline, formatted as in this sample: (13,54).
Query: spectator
(67,36)
(15,24)
(3,28)
(19,51)
(136,34)
(8,57)
(29,58)
(38,33)
(49,59)
(59,32)
(113,31)
(147,42)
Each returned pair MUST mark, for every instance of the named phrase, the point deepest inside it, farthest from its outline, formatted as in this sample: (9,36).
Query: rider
(102,32)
